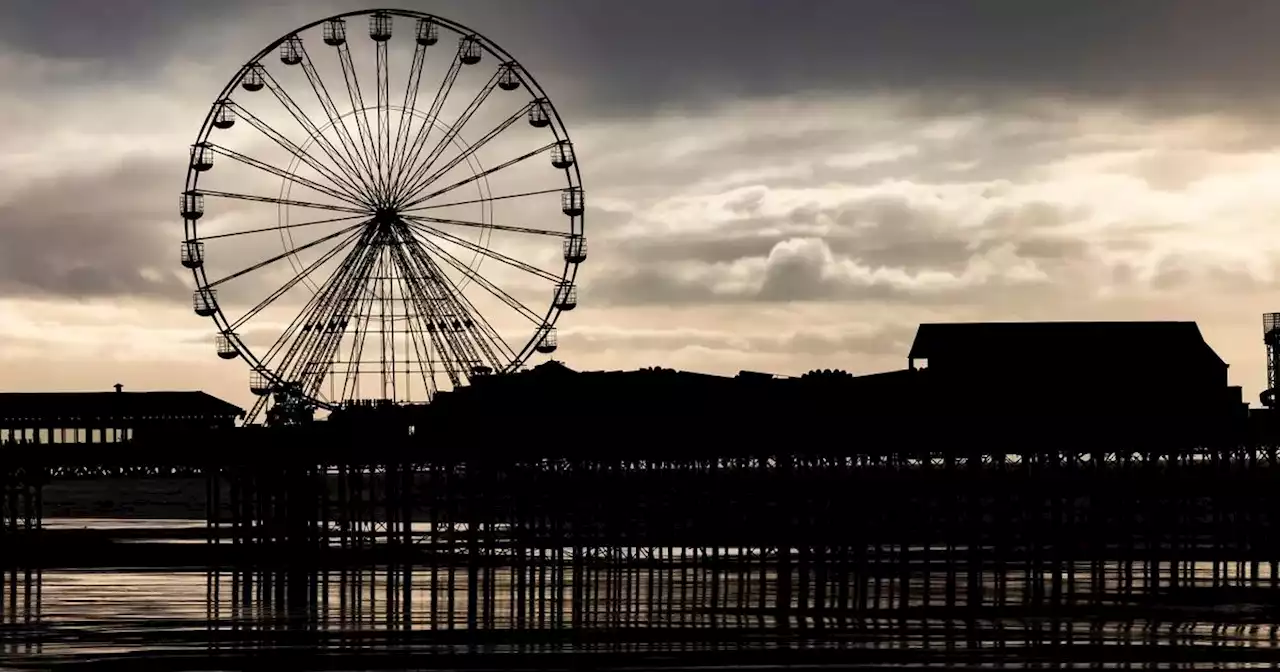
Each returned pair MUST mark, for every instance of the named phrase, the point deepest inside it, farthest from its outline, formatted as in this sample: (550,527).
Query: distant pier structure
(108,417)
(33,422)
(1271,337)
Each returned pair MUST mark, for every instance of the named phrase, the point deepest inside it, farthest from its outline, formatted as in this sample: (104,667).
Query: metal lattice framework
(385,211)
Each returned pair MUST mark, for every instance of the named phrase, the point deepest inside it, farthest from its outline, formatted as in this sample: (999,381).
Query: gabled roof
(1004,340)
(551,367)
(113,405)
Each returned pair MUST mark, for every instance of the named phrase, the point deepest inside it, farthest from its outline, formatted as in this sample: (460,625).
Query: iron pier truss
(381,205)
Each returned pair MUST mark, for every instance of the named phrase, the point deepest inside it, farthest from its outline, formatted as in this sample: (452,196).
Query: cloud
(99,232)
(806,269)
(771,185)
(609,55)
(845,340)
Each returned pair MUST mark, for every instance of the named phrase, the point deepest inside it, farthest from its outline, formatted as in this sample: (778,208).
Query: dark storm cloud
(669,51)
(93,234)
(130,33)
(633,55)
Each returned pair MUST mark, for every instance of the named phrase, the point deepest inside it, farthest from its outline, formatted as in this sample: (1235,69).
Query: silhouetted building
(108,417)
(1130,378)
(1271,338)
(1079,369)
(678,403)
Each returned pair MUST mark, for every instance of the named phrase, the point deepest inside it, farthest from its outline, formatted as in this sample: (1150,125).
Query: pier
(671,507)
(773,538)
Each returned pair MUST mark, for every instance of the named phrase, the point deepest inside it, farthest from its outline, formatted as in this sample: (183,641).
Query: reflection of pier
(787,540)
(380,613)
(20,606)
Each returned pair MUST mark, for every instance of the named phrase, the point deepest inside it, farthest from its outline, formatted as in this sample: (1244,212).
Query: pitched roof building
(1102,367)
(108,417)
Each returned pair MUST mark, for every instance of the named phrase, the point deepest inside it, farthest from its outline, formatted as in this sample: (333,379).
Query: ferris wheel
(371,217)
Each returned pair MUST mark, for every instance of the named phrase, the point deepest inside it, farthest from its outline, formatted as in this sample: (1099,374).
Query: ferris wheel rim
(577,225)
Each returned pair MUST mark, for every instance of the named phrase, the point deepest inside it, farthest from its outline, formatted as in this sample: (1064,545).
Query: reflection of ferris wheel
(385,209)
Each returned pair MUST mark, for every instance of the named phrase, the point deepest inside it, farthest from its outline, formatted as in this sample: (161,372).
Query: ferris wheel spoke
(284,201)
(412,84)
(481,225)
(447,327)
(414,149)
(305,318)
(422,350)
(454,129)
(308,326)
(462,305)
(435,272)
(296,111)
(540,192)
(411,192)
(361,115)
(284,174)
(318,323)
(443,321)
(386,306)
(383,150)
(292,282)
(385,299)
(478,176)
(283,255)
(339,179)
(279,227)
(351,382)
(337,121)
(364,316)
(484,282)
(383,302)
(425,229)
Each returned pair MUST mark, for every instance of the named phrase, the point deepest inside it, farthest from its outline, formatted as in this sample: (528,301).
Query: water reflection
(500,609)
(889,605)
(20,611)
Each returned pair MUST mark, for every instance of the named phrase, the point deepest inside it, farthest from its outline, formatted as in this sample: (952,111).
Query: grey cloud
(1171,273)
(1005,143)
(112,231)
(880,230)
(93,234)
(797,280)
(634,57)
(122,38)
(883,248)
(713,249)
(1180,273)
(1173,173)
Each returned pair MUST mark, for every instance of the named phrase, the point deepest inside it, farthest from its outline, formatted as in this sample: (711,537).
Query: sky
(774,186)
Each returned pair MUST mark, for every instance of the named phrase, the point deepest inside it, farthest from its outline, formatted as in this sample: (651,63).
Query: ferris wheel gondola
(413,234)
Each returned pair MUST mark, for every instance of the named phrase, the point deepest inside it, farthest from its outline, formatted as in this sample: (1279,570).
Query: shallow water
(183,616)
